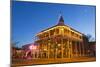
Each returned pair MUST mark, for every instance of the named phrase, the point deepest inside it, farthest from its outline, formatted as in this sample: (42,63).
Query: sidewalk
(51,61)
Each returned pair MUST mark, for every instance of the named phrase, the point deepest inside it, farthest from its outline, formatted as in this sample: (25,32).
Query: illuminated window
(65,31)
(61,30)
(57,31)
(72,33)
(51,32)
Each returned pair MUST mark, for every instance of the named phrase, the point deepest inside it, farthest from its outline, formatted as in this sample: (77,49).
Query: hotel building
(61,41)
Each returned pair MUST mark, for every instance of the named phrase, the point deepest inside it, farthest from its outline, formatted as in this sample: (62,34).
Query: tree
(90,38)
(14,44)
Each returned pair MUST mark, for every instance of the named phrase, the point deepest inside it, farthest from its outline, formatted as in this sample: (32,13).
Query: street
(27,62)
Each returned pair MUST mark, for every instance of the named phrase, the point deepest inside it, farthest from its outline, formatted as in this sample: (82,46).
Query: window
(72,33)
(57,31)
(51,32)
(80,37)
(65,31)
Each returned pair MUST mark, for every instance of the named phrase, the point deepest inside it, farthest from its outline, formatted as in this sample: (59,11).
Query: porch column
(76,49)
(69,49)
(83,49)
(71,46)
(48,50)
(61,47)
(80,48)
(56,53)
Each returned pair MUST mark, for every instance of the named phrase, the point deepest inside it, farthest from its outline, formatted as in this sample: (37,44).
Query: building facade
(61,41)
(92,47)
(31,51)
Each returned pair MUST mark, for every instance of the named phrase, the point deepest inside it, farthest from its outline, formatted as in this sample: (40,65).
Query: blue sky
(29,18)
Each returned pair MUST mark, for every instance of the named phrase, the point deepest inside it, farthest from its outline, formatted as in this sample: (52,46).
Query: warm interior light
(59,44)
(45,49)
(32,47)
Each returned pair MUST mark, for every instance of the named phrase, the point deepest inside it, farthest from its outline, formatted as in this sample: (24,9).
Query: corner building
(61,41)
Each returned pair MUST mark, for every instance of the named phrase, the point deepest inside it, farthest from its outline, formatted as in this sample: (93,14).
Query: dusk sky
(29,18)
